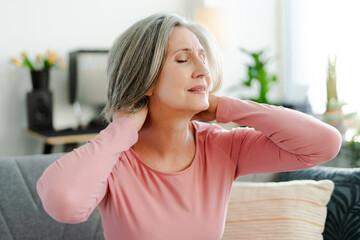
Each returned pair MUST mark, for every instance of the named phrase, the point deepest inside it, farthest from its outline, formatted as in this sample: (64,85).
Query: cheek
(209,82)
(167,88)
(172,80)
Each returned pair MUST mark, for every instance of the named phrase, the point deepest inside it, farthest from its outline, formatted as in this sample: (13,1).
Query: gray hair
(137,56)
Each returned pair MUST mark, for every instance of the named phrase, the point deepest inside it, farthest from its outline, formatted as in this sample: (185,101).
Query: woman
(155,173)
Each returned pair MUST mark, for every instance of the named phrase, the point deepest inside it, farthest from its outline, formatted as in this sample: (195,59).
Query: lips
(199,88)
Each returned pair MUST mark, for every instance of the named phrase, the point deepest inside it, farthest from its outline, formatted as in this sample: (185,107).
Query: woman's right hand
(138,117)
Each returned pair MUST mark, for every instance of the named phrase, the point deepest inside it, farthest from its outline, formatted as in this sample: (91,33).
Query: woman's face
(184,81)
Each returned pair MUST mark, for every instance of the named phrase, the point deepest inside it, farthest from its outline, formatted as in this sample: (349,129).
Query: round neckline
(138,158)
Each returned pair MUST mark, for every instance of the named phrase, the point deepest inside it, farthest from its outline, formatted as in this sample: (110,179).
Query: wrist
(216,103)
(222,109)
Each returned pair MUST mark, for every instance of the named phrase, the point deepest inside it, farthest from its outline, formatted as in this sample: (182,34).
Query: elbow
(335,142)
(61,205)
(332,143)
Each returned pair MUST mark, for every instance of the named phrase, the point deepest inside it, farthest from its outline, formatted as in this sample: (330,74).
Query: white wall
(66,25)
(63,26)
(254,25)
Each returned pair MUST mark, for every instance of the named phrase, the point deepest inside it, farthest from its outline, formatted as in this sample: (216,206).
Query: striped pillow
(284,210)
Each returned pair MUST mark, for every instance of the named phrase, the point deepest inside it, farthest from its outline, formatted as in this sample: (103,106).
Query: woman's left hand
(209,114)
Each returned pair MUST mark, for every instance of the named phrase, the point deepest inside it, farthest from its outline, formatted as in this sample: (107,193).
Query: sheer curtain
(315,30)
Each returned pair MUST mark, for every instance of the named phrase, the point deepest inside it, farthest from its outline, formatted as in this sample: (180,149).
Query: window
(314,31)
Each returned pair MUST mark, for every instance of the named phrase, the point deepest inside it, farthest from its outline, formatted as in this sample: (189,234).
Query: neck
(166,140)
(167,131)
(167,134)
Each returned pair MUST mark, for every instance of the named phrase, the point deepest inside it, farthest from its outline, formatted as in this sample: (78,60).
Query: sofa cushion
(21,213)
(343,217)
(285,210)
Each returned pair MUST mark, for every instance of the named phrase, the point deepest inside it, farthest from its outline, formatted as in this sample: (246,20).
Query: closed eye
(181,61)
(202,57)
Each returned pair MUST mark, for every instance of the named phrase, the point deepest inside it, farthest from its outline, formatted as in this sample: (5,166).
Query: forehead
(182,37)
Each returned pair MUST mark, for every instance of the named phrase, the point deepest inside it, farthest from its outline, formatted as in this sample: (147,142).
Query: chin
(199,107)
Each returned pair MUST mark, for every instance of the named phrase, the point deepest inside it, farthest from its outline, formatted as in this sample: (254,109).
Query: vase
(40,80)
(39,102)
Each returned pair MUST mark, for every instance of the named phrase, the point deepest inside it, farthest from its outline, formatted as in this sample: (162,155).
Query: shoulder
(204,129)
(210,132)
(213,133)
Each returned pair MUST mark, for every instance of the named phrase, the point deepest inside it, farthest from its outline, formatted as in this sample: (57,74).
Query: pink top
(139,202)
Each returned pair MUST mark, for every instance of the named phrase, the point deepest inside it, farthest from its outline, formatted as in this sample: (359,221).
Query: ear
(149,93)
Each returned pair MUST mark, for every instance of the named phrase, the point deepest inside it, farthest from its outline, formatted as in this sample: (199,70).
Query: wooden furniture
(69,138)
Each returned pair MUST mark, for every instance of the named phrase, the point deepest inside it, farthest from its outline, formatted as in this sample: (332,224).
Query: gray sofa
(22,216)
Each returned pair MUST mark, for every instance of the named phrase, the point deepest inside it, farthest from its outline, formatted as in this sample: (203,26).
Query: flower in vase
(50,60)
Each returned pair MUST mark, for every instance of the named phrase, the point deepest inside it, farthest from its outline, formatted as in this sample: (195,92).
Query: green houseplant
(256,70)
(354,146)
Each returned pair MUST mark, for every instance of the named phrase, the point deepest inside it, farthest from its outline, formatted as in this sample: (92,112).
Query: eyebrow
(188,50)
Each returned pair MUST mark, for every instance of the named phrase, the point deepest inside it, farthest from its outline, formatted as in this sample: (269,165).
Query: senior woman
(155,172)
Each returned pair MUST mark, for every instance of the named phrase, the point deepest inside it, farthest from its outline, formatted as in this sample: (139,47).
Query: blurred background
(308,50)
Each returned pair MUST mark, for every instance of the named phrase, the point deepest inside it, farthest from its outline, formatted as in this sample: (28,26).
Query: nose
(201,70)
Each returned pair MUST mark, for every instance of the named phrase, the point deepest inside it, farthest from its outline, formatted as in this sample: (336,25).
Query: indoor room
(296,57)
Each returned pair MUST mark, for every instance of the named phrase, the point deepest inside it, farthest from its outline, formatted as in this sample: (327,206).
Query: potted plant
(39,67)
(354,147)
(256,70)
(334,114)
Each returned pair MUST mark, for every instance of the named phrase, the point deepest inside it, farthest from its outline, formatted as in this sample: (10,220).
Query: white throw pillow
(278,210)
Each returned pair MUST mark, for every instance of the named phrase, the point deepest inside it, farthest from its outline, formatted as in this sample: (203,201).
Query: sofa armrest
(21,213)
